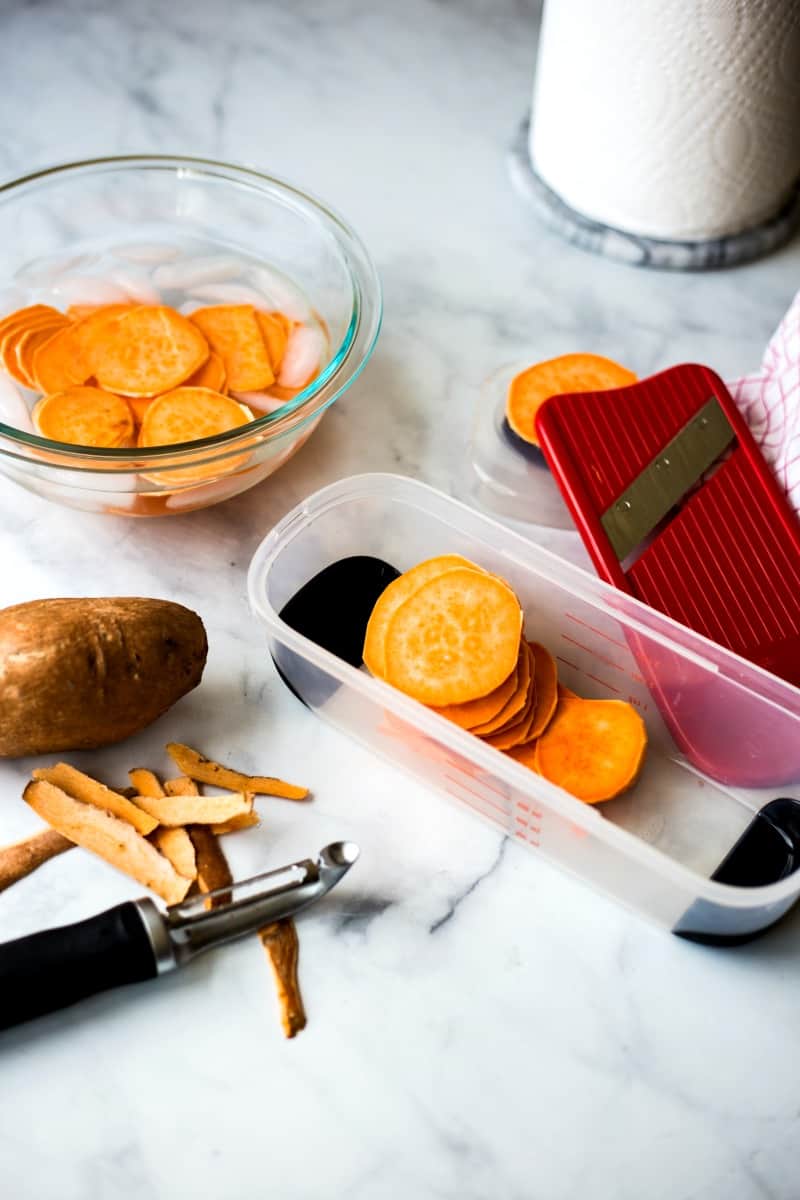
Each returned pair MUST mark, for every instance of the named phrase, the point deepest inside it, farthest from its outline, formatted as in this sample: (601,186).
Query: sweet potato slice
(485,708)
(187,414)
(149,350)
(455,638)
(21,858)
(145,782)
(517,730)
(109,837)
(28,317)
(514,706)
(90,791)
(85,416)
(177,846)
(545,674)
(29,342)
(213,871)
(235,824)
(210,375)
(139,406)
(594,749)
(275,330)
(91,325)
(24,335)
(568,373)
(204,770)
(194,810)
(59,363)
(281,944)
(396,594)
(233,333)
(524,753)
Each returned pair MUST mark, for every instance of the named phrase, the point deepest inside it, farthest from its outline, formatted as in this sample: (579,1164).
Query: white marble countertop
(480,1026)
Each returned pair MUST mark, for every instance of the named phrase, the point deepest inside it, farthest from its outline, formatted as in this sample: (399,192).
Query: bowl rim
(360,336)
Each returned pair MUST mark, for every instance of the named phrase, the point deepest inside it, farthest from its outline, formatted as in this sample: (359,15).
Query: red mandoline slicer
(718,550)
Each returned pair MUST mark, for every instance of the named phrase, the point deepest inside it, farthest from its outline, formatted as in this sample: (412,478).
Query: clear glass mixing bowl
(60,228)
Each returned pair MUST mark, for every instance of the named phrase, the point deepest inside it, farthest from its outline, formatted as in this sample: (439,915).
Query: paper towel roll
(669,119)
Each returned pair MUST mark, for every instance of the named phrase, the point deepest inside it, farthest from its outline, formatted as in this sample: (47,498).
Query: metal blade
(245,906)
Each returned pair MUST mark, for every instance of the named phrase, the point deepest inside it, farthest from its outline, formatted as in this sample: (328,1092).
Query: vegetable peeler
(134,941)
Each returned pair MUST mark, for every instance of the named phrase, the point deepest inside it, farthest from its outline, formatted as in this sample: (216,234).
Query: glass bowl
(114,229)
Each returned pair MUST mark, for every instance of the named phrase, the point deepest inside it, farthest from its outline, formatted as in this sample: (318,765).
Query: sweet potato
(85,416)
(545,673)
(275,330)
(187,414)
(516,703)
(396,594)
(243,821)
(233,333)
(478,712)
(594,749)
(78,674)
(146,351)
(210,375)
(59,363)
(568,373)
(454,639)
(32,341)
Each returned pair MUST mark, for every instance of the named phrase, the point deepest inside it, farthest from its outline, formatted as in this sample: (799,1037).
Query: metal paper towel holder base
(638,251)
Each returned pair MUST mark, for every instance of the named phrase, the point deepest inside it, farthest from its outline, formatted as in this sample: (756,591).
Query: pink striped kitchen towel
(770,402)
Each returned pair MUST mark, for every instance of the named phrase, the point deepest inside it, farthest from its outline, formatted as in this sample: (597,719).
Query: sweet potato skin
(80,674)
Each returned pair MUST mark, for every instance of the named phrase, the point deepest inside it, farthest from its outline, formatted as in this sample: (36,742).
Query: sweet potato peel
(109,837)
(213,871)
(171,811)
(21,858)
(280,942)
(164,836)
(205,770)
(83,787)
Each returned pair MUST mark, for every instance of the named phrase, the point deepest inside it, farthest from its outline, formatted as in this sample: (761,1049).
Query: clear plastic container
(653,849)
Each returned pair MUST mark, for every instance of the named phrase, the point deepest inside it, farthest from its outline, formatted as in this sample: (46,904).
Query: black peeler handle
(47,971)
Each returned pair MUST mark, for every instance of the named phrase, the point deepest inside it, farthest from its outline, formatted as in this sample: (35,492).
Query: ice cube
(281,294)
(137,286)
(86,289)
(196,271)
(13,409)
(229,293)
(303,355)
(146,252)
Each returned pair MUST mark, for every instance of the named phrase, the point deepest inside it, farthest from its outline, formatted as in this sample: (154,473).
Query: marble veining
(481,1026)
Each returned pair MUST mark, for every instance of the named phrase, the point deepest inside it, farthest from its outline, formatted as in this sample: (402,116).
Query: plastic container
(653,849)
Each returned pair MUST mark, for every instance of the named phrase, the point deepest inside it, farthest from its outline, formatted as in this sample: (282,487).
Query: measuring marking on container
(571,617)
(485,799)
(601,658)
(602,682)
(572,666)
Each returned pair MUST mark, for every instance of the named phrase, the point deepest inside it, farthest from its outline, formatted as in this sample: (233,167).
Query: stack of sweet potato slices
(451,635)
(163,835)
(121,375)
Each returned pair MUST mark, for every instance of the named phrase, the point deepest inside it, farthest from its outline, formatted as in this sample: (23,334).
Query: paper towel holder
(635,249)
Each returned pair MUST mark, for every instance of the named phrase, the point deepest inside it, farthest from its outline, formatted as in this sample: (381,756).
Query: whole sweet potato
(78,674)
